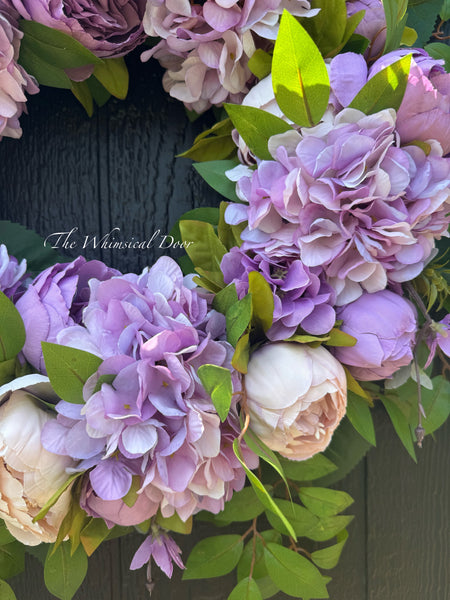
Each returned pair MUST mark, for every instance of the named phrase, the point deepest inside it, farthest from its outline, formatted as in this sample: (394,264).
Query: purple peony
(109,29)
(373,24)
(425,110)
(344,196)
(12,273)
(14,81)
(205,47)
(54,301)
(384,325)
(151,419)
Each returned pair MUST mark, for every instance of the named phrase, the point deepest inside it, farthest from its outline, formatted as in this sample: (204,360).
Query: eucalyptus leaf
(12,329)
(299,74)
(217,383)
(63,572)
(213,557)
(69,369)
(213,172)
(324,502)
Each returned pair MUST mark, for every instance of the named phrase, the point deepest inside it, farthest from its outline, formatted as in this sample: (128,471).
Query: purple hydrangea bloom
(153,420)
(108,29)
(385,326)
(14,81)
(164,551)
(205,47)
(346,197)
(12,273)
(54,301)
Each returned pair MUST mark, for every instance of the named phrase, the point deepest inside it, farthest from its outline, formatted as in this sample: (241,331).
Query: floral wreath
(231,386)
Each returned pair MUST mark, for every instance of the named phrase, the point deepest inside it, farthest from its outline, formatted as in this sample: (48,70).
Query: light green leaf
(264,452)
(112,73)
(243,506)
(360,417)
(308,470)
(93,534)
(340,338)
(6,592)
(247,589)
(252,561)
(395,11)
(385,89)
(435,402)
(409,37)
(132,495)
(439,50)
(307,339)
(100,95)
(45,73)
(400,422)
(256,127)
(174,523)
(294,574)
(81,91)
(68,370)
(229,235)
(353,386)
(328,38)
(301,519)
(224,299)
(63,573)
(329,527)
(213,144)
(12,560)
(324,502)
(241,354)
(56,496)
(214,556)
(444,11)
(328,558)
(238,318)
(12,330)
(299,74)
(217,383)
(260,63)
(213,172)
(262,301)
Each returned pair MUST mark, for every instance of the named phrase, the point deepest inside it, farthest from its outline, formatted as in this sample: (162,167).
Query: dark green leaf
(68,370)
(395,11)
(308,470)
(12,560)
(294,574)
(252,560)
(25,243)
(247,589)
(100,95)
(243,506)
(360,417)
(217,383)
(238,317)
(301,519)
(440,50)
(81,91)
(107,378)
(328,38)
(422,17)
(213,172)
(5,536)
(324,502)
(260,63)
(299,74)
(45,73)
(224,299)
(63,572)
(112,73)
(7,370)
(357,44)
(329,527)
(256,127)
(214,556)
(328,558)
(6,592)
(400,421)
(385,89)
(12,330)
(262,301)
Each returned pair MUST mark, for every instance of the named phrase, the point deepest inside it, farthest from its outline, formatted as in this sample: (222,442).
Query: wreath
(234,385)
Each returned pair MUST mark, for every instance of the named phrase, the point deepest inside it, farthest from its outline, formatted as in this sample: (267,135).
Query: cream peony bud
(29,474)
(296,397)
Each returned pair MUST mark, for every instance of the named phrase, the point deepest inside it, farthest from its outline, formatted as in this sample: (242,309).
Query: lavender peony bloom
(384,325)
(108,29)
(153,421)
(12,273)
(346,197)
(54,301)
(14,81)
(205,47)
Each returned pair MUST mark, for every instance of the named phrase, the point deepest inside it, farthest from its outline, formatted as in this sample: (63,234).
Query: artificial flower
(12,273)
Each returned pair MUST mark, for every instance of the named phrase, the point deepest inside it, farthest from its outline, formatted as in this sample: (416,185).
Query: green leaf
(215,143)
(301,519)
(262,301)
(100,95)
(81,91)
(174,523)
(440,50)
(12,330)
(5,536)
(56,48)
(68,370)
(213,172)
(444,11)
(56,496)
(247,589)
(435,402)
(6,592)
(25,243)
(224,299)
(112,73)
(45,73)
(308,470)
(12,560)
(63,573)
(328,38)
(340,338)
(329,527)
(399,420)
(7,370)
(264,452)
(409,37)
(353,386)
(229,235)
(395,11)
(213,557)
(217,383)
(260,63)
(328,558)
(206,251)
(242,354)
(207,214)
(324,502)
(107,378)
(422,17)
(243,506)
(132,495)
(294,574)
(357,44)
(256,127)
(252,561)
(385,89)
(238,317)
(360,417)
(93,534)
(261,491)
(299,74)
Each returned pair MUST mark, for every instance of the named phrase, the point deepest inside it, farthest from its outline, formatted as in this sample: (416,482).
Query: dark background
(118,169)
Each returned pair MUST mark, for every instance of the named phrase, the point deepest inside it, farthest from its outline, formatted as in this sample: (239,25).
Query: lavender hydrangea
(205,47)
(346,197)
(150,419)
(14,81)
(12,273)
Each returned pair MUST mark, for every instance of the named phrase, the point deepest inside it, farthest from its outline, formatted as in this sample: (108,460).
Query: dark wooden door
(118,169)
